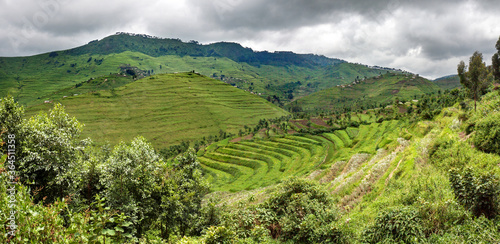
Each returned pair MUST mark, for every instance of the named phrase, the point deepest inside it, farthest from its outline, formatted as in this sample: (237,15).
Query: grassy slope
(248,165)
(166,110)
(448,82)
(373,90)
(365,181)
(33,79)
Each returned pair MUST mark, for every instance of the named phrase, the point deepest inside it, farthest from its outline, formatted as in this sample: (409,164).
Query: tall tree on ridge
(495,61)
(475,78)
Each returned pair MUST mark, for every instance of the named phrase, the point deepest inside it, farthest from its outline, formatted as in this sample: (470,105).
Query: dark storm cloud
(440,29)
(279,14)
(427,36)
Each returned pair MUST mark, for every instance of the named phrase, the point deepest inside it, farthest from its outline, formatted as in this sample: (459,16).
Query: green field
(165,109)
(250,164)
(373,91)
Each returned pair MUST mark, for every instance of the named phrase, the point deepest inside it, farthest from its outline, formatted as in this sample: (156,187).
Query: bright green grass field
(250,164)
(165,109)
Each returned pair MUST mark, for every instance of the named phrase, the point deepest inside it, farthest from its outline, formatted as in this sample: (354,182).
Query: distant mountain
(157,47)
(282,76)
(448,82)
(366,93)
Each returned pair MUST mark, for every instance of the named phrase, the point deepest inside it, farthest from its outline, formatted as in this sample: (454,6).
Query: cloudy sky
(428,37)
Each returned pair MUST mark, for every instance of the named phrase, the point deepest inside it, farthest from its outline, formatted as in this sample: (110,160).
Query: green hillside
(448,82)
(247,165)
(282,74)
(165,109)
(370,92)
(416,175)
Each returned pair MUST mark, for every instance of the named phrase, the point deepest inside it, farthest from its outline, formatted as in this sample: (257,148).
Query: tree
(302,212)
(133,174)
(495,61)
(474,79)
(181,195)
(10,116)
(50,150)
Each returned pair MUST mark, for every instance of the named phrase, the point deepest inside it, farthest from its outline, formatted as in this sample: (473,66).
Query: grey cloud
(376,32)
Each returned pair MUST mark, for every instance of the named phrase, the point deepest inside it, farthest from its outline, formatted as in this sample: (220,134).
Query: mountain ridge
(121,42)
(280,75)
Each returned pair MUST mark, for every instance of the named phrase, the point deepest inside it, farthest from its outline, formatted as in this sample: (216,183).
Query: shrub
(302,212)
(219,235)
(401,224)
(487,136)
(50,152)
(260,234)
(133,175)
(475,230)
(476,192)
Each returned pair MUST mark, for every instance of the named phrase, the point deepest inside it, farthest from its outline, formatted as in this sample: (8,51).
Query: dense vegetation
(369,183)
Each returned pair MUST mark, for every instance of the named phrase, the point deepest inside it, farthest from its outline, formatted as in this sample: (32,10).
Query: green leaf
(126,224)
(108,232)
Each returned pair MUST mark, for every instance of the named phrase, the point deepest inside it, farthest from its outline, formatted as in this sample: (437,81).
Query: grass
(276,158)
(165,109)
(272,160)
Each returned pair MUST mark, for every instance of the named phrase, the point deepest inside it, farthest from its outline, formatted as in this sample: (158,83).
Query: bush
(301,211)
(476,230)
(260,234)
(219,235)
(133,175)
(476,192)
(487,138)
(401,224)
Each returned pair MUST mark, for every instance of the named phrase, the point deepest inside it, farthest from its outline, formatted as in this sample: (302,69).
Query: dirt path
(394,170)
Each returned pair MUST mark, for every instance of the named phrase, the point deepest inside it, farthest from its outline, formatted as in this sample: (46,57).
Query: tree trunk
(475,99)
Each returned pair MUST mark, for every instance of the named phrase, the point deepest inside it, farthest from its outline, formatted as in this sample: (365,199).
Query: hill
(165,109)
(382,89)
(415,174)
(282,74)
(448,82)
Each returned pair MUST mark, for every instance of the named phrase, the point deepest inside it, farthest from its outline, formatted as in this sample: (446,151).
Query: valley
(140,139)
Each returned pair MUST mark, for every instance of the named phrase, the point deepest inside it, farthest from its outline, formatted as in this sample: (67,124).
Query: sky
(427,37)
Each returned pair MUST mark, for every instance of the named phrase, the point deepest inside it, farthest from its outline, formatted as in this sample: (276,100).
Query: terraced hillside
(165,109)
(251,164)
(370,92)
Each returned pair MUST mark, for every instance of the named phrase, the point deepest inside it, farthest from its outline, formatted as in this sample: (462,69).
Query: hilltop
(166,109)
(280,75)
